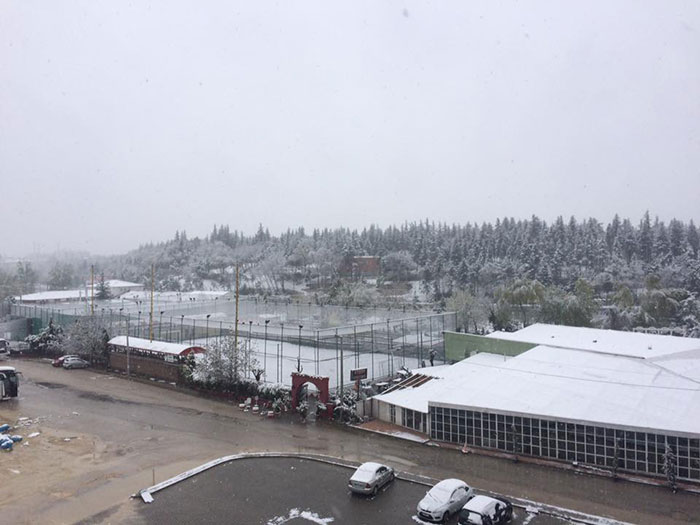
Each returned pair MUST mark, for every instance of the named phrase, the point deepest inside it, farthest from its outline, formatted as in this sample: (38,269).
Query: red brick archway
(298,380)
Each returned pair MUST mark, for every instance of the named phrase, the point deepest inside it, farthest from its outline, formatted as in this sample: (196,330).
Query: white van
(4,349)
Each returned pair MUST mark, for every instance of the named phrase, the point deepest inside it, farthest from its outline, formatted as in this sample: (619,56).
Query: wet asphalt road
(150,431)
(272,491)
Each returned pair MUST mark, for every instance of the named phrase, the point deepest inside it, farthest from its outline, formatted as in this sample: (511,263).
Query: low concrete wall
(145,366)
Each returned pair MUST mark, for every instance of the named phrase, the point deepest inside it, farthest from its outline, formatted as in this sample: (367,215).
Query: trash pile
(7,442)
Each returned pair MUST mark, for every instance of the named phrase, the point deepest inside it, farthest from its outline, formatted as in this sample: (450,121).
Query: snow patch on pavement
(303,514)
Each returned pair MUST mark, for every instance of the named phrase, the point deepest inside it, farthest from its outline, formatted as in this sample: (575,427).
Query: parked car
(370,477)
(75,362)
(59,360)
(484,510)
(444,500)
(4,349)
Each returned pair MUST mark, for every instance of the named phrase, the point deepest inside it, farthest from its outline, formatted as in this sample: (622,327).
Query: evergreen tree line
(639,274)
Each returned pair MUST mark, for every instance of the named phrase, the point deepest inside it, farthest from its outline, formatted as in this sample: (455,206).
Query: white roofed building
(157,359)
(578,395)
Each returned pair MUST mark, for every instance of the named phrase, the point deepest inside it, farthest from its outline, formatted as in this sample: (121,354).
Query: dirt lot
(103,438)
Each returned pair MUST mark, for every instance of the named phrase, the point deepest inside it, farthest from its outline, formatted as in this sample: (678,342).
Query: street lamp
(247,359)
(280,359)
(182,320)
(160,323)
(299,353)
(128,361)
(139,323)
(267,321)
(340,338)
(207,336)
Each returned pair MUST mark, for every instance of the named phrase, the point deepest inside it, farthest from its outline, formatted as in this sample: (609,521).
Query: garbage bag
(4,428)
(16,439)
(6,445)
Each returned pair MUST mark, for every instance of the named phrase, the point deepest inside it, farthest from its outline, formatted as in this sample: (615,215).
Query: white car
(370,477)
(444,500)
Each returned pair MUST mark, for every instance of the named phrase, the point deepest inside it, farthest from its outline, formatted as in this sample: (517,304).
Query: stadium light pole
(207,329)
(280,359)
(250,345)
(160,324)
(267,321)
(299,352)
(182,320)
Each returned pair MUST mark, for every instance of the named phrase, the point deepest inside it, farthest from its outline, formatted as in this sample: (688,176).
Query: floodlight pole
(267,321)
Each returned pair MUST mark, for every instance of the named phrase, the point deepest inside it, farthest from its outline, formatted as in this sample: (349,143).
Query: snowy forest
(500,275)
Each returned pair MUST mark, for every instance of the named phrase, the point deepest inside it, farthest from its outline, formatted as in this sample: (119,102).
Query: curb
(528,506)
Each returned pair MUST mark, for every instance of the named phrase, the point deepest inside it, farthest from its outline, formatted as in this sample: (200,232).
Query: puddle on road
(46,384)
(96,396)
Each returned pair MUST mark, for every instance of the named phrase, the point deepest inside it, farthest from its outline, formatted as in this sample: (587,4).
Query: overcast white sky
(121,122)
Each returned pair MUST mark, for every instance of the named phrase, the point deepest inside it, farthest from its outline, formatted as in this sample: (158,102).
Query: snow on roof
(7,368)
(479,503)
(568,385)
(596,340)
(154,346)
(419,400)
(432,371)
(448,485)
(117,283)
(53,295)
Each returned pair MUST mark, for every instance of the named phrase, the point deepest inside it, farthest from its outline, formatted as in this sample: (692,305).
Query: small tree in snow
(670,467)
(88,338)
(224,364)
(103,291)
(48,341)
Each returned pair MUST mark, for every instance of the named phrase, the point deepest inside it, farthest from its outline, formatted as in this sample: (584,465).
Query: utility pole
(235,330)
(153,285)
(92,289)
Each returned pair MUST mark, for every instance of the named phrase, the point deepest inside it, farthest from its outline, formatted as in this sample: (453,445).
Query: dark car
(484,510)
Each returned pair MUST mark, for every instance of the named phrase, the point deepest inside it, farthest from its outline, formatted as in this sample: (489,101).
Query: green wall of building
(459,345)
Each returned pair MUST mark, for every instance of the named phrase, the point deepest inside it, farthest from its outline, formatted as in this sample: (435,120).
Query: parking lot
(276,491)
(102,438)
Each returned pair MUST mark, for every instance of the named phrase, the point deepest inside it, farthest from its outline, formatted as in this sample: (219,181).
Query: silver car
(370,477)
(75,362)
(444,500)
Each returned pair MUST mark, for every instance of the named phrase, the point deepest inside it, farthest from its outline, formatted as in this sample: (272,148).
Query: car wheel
(446,516)
(375,490)
(392,477)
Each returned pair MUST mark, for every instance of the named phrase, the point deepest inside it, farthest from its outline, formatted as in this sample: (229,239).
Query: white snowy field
(280,359)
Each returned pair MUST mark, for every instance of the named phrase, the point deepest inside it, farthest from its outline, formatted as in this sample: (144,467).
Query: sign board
(358,373)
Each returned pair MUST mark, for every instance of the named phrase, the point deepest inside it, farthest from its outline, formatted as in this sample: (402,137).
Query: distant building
(361,267)
(609,399)
(116,289)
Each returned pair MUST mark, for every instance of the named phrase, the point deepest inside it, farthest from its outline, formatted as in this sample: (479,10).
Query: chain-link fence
(285,337)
